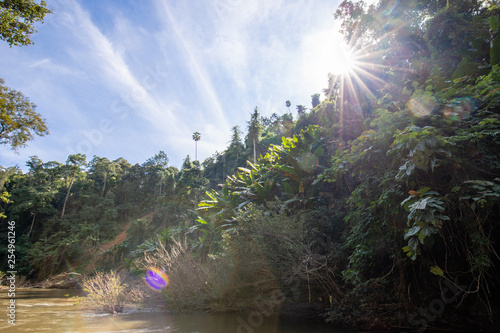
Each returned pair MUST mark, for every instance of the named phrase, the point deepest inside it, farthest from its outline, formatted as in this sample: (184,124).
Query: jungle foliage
(373,204)
(404,158)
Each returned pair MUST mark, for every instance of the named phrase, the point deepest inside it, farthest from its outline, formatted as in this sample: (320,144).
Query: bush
(106,292)
(292,248)
(193,285)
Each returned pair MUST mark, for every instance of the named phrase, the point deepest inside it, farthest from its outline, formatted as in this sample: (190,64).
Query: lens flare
(460,108)
(156,279)
(421,106)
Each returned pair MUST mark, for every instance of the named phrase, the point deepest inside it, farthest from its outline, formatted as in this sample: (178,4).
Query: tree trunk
(32,224)
(161,184)
(103,186)
(254,152)
(67,195)
(223,168)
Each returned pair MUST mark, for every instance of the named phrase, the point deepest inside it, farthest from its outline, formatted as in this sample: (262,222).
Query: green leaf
(319,152)
(421,237)
(286,168)
(494,22)
(437,271)
(412,232)
(421,204)
(481,183)
(202,221)
(413,244)
(495,51)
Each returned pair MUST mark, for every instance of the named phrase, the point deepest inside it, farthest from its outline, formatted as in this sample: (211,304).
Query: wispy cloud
(160,70)
(115,69)
(284,48)
(195,65)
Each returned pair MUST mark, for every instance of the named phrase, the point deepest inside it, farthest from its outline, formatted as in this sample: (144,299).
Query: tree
(315,100)
(301,110)
(196,138)
(102,167)
(39,190)
(191,183)
(5,174)
(160,160)
(233,156)
(155,170)
(236,146)
(254,131)
(17,19)
(37,200)
(74,163)
(18,120)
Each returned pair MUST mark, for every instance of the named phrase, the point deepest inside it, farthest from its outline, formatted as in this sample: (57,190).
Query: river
(38,310)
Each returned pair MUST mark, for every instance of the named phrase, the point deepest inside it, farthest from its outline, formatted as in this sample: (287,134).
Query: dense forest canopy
(372,204)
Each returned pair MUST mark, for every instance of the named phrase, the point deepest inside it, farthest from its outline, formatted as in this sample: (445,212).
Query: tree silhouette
(315,100)
(301,110)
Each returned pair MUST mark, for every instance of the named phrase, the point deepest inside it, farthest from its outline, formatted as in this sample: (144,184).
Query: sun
(344,60)
(326,52)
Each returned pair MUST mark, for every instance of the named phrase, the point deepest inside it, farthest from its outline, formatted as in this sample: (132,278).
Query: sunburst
(366,70)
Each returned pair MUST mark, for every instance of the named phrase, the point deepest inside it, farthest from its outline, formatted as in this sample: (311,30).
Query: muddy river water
(38,310)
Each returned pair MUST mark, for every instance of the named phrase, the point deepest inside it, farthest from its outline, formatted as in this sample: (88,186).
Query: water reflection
(54,311)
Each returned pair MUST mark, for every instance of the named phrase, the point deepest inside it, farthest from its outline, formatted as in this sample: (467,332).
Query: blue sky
(128,78)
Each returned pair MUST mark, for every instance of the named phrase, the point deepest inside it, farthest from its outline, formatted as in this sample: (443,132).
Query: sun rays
(377,59)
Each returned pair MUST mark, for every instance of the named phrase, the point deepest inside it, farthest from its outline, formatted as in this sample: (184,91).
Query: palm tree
(196,138)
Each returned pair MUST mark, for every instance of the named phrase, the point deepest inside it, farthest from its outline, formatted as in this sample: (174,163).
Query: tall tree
(191,183)
(315,100)
(102,167)
(301,110)
(155,170)
(160,160)
(196,138)
(74,163)
(40,188)
(254,131)
(233,157)
(236,146)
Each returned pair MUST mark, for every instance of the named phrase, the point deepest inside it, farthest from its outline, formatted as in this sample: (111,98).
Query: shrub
(106,292)
(193,285)
(289,244)
(269,252)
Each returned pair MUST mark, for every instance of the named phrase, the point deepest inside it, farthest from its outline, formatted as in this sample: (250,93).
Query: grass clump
(106,292)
